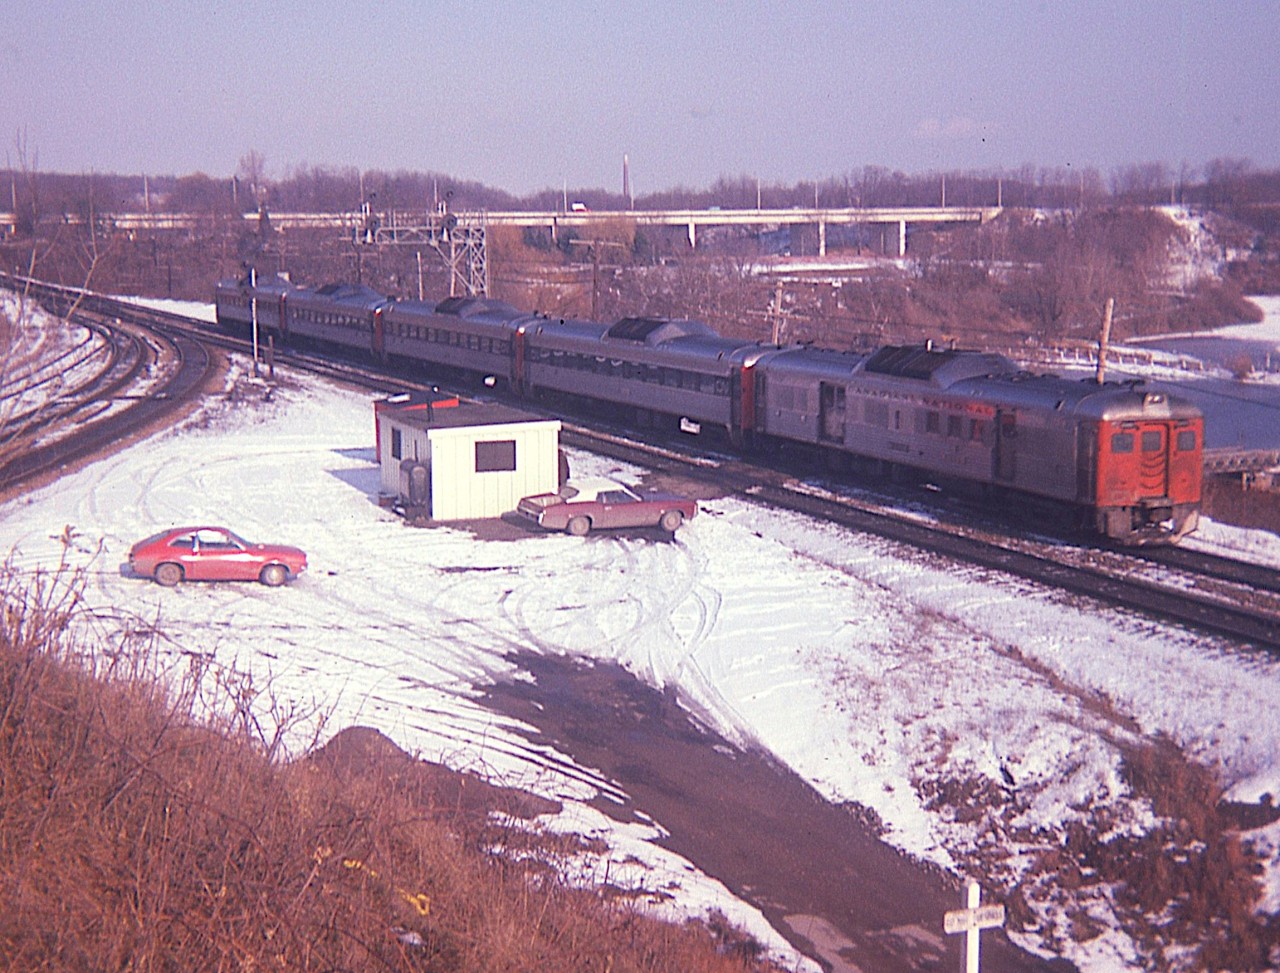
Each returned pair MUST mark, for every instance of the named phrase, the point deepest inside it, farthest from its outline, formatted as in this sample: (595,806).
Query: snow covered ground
(908,672)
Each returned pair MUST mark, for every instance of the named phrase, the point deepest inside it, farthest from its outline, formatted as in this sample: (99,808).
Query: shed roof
(461,416)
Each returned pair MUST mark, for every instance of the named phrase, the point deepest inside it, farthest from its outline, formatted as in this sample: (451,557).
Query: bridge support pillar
(693,236)
(893,238)
(822,238)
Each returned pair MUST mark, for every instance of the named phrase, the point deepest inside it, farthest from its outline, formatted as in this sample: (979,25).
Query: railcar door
(379,337)
(831,412)
(1186,461)
(1153,459)
(742,407)
(1006,446)
(517,366)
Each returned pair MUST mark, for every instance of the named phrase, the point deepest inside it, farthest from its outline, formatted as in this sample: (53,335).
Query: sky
(542,95)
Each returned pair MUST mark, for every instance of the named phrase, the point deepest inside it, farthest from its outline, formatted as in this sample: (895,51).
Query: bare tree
(252,169)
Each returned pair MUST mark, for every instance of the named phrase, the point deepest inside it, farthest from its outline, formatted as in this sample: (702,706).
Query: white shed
(468,462)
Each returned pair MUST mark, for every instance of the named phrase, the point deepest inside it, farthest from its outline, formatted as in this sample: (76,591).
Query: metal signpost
(971,921)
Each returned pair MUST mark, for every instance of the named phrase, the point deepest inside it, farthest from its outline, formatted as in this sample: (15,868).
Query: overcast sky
(528,96)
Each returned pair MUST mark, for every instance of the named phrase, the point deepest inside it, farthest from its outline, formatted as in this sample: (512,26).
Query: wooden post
(971,920)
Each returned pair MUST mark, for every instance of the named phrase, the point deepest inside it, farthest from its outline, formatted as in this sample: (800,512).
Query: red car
(213,554)
(592,502)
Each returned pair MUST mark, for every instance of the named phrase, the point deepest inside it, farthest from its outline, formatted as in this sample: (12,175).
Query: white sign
(983,917)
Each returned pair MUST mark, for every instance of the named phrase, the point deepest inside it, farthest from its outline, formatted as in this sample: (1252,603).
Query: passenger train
(1123,460)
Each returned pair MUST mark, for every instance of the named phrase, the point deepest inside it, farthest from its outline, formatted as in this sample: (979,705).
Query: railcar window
(955,427)
(1187,441)
(1152,441)
(1122,442)
(932,422)
(976,432)
(876,413)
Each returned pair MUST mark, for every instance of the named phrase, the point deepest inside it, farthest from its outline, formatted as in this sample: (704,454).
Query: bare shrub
(1240,367)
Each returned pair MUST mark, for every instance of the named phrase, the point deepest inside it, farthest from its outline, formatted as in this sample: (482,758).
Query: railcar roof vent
(942,368)
(654,331)
(908,361)
(350,292)
(466,307)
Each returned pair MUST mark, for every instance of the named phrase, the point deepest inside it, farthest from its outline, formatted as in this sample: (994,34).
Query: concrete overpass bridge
(459,237)
(893,220)
(410,227)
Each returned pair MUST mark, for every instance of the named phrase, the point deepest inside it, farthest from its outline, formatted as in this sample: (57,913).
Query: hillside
(140,836)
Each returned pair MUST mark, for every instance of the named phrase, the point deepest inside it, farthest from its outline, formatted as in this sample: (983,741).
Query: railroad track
(121,357)
(1207,593)
(1241,606)
(108,405)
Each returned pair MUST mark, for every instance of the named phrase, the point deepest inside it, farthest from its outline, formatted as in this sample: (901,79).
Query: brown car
(596,502)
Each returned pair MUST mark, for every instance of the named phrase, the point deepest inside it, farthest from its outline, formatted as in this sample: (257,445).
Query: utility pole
(596,246)
(777,315)
(1104,338)
(253,307)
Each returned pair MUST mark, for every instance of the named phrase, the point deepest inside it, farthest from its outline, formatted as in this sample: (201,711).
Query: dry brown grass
(1227,500)
(138,834)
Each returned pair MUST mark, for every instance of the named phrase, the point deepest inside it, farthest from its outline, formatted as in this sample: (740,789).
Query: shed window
(397,445)
(496,456)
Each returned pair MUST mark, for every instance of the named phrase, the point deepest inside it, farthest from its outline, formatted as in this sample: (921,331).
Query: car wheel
(274,575)
(579,526)
(168,574)
(671,520)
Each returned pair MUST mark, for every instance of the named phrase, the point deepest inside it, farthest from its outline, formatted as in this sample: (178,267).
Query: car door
(622,509)
(219,556)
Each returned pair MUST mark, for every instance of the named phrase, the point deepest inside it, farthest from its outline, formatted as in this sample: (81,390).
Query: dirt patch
(360,751)
(816,870)
(1228,501)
